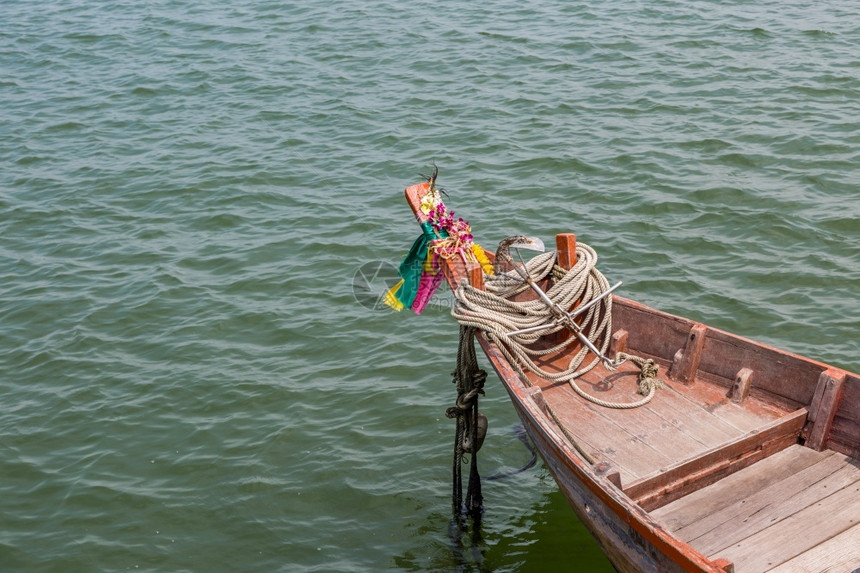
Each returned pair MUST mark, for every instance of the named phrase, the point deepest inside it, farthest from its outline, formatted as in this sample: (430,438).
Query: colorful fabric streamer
(431,278)
(404,292)
(442,237)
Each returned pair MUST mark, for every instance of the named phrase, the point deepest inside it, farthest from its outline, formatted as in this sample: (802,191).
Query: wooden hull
(630,539)
(634,522)
(748,459)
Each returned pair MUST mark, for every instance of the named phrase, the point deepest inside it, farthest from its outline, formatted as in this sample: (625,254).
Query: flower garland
(443,237)
(459,240)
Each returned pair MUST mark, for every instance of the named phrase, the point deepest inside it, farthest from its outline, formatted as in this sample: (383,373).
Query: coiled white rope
(492,312)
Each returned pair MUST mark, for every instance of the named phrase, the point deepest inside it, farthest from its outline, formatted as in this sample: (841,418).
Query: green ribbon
(413,265)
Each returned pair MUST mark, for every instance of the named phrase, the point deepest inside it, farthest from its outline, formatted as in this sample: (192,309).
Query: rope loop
(470,384)
(465,401)
(494,313)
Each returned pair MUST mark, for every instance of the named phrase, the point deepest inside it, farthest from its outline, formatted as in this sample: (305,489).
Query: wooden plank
(817,396)
(686,362)
(769,505)
(713,474)
(652,332)
(565,244)
(699,504)
(832,382)
(692,418)
(741,388)
(649,424)
(845,437)
(414,194)
(845,431)
(675,481)
(850,407)
(744,417)
(836,555)
(628,521)
(603,438)
(618,342)
(711,399)
(786,376)
(632,541)
(476,276)
(790,537)
(673,425)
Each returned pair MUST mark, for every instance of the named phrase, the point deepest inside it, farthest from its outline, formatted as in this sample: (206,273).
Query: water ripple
(189,380)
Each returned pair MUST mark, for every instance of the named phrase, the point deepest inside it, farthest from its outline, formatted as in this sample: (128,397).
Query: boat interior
(741,449)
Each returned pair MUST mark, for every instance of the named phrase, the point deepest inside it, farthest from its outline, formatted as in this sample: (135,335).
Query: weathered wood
(850,407)
(686,361)
(632,541)
(779,501)
(566,245)
(653,334)
(692,418)
(836,555)
(741,388)
(606,470)
(688,475)
(678,423)
(476,276)
(745,417)
(455,272)
(784,377)
(618,342)
(845,436)
(536,395)
(787,538)
(815,405)
(414,194)
(845,430)
(649,427)
(605,439)
(832,382)
(700,504)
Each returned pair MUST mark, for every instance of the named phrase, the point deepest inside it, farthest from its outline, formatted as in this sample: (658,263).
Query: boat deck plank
(681,422)
(836,555)
(604,439)
(645,427)
(682,513)
(772,511)
(773,504)
(671,422)
(709,467)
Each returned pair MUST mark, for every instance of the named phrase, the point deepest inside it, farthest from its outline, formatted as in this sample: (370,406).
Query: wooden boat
(747,460)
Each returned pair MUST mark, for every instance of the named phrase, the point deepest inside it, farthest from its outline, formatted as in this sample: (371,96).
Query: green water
(189,380)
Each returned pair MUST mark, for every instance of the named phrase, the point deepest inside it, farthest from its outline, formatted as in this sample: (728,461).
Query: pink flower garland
(458,230)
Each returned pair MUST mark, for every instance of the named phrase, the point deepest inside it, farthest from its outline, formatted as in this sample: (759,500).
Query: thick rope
(469,379)
(492,312)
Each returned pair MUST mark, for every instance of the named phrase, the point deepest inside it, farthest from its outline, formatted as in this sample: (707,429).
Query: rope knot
(465,401)
(648,381)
